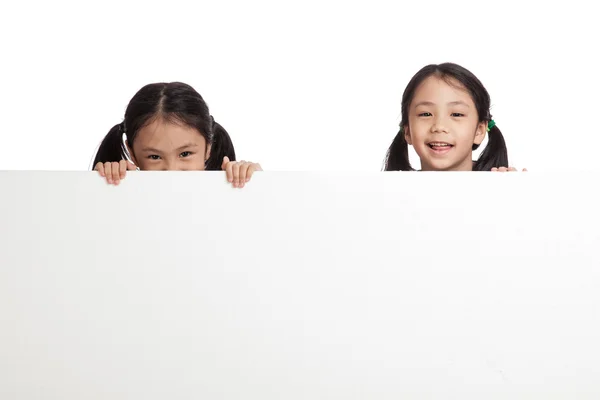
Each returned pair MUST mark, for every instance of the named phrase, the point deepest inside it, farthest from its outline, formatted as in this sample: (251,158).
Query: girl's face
(443,125)
(167,146)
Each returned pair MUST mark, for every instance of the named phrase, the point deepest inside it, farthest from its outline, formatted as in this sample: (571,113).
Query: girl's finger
(225,162)
(253,167)
(236,174)
(244,169)
(100,168)
(229,170)
(108,172)
(115,172)
(122,168)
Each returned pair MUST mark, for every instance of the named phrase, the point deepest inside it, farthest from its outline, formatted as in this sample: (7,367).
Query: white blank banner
(299,286)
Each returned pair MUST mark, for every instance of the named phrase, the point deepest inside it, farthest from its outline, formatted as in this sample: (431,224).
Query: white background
(305,85)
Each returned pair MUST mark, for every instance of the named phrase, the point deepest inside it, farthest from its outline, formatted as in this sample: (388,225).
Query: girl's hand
(114,171)
(239,172)
(507,169)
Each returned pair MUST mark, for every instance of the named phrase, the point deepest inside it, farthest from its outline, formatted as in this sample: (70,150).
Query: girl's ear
(480,132)
(130,152)
(208,149)
(407,134)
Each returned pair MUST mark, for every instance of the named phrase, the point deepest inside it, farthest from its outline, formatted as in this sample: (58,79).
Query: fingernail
(247,179)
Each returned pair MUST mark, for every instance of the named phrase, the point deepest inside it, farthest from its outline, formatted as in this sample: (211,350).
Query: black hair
(495,153)
(176,102)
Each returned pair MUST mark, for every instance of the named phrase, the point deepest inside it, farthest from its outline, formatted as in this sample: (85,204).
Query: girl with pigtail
(167,126)
(445,117)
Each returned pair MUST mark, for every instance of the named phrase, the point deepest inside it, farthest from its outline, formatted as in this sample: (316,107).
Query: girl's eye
(185,154)
(154,157)
(457,115)
(425,114)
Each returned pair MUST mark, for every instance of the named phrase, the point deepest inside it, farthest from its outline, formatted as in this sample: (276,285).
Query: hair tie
(491,124)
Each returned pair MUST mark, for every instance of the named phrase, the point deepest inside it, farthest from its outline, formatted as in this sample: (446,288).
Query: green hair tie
(491,124)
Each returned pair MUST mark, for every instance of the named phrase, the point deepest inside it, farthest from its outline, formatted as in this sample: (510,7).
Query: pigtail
(112,147)
(221,146)
(495,153)
(397,155)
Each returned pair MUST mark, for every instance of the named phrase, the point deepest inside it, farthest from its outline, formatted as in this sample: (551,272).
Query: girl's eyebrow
(452,103)
(425,103)
(458,103)
(185,146)
(151,150)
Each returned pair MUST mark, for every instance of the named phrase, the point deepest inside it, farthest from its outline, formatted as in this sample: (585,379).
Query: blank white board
(299,286)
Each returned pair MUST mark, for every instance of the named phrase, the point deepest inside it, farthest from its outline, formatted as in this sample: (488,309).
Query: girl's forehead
(444,88)
(161,132)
